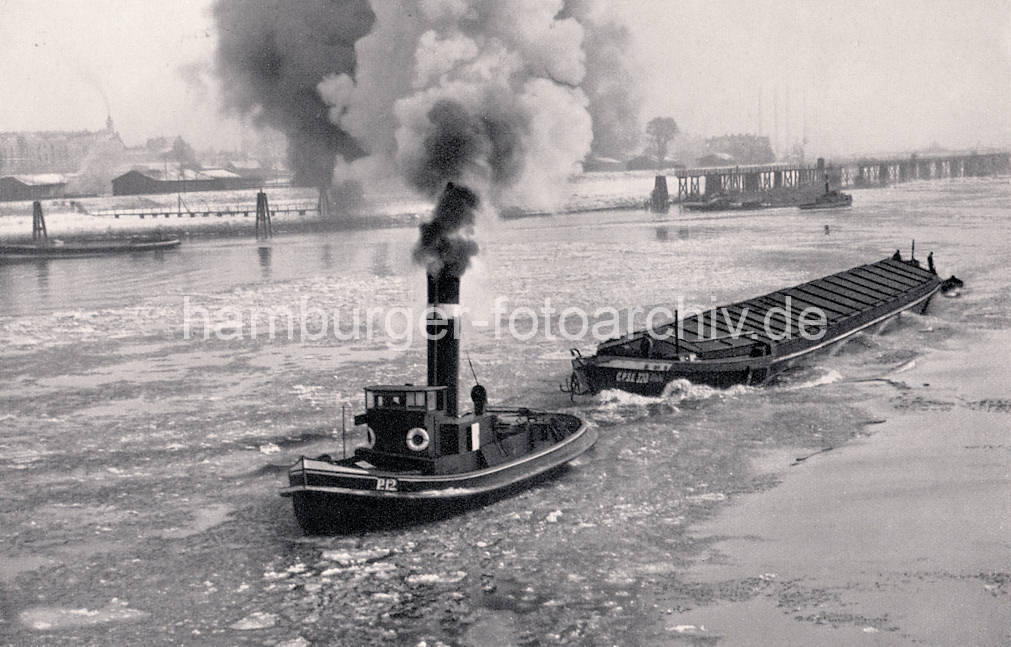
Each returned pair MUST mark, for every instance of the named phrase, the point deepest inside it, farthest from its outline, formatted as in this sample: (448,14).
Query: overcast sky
(852,76)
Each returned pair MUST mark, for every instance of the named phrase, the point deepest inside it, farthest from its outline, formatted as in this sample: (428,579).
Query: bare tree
(660,131)
(184,154)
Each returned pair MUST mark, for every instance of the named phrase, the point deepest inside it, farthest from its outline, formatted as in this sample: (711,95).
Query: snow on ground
(228,211)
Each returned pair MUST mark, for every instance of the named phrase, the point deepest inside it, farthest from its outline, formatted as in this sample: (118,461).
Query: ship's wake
(614,406)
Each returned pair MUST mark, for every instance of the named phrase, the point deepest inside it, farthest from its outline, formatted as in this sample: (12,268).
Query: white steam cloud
(508,74)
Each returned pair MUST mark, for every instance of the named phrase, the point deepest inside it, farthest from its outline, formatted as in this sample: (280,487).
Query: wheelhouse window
(403,399)
(389,400)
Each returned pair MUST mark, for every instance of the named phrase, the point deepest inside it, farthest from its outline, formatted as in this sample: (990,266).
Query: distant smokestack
(441,328)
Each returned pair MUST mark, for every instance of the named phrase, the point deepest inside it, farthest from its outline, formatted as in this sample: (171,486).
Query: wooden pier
(699,183)
(221,211)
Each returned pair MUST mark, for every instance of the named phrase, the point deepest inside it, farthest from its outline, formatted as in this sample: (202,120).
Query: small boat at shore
(79,249)
(831,199)
(723,203)
(425,459)
(749,341)
(42,247)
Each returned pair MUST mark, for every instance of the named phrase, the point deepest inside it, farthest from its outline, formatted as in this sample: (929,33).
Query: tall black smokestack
(443,340)
(445,251)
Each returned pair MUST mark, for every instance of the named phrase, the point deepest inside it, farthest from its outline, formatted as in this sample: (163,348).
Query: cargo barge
(749,341)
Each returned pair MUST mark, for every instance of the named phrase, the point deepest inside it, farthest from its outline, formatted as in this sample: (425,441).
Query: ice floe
(436,578)
(44,618)
(256,620)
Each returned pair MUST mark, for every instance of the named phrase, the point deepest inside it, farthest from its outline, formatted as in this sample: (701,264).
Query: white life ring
(370,437)
(417,439)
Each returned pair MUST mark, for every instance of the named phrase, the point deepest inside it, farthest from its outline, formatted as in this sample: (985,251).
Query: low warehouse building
(150,180)
(32,187)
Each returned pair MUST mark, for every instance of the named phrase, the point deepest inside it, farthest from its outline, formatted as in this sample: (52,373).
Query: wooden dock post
(39,234)
(659,200)
(324,204)
(714,184)
(263,229)
(752,182)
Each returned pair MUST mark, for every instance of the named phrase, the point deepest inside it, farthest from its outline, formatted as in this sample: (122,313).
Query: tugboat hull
(830,200)
(347,495)
(827,205)
(337,513)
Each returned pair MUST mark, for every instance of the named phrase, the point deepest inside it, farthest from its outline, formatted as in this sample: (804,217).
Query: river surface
(147,415)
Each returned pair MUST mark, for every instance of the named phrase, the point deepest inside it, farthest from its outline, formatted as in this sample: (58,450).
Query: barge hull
(704,353)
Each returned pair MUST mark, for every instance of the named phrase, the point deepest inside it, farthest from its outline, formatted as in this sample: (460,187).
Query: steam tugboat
(425,458)
(829,200)
(749,341)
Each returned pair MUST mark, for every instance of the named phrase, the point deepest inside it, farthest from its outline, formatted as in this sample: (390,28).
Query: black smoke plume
(444,245)
(271,56)
(461,144)
(458,147)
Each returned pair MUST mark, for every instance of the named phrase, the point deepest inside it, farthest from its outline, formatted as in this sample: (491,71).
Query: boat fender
(417,439)
(370,437)
(479,395)
(951,284)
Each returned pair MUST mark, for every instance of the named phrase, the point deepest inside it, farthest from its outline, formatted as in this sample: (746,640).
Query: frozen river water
(140,458)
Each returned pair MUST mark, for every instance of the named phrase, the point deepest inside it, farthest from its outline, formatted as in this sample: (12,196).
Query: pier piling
(263,229)
(659,200)
(39,234)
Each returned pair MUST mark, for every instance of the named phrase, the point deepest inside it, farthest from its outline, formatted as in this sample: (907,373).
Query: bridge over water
(697,183)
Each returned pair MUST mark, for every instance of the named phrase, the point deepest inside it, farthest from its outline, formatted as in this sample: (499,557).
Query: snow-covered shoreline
(233,212)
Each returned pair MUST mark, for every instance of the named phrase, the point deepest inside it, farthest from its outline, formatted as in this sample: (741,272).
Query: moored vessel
(80,249)
(831,199)
(43,248)
(723,203)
